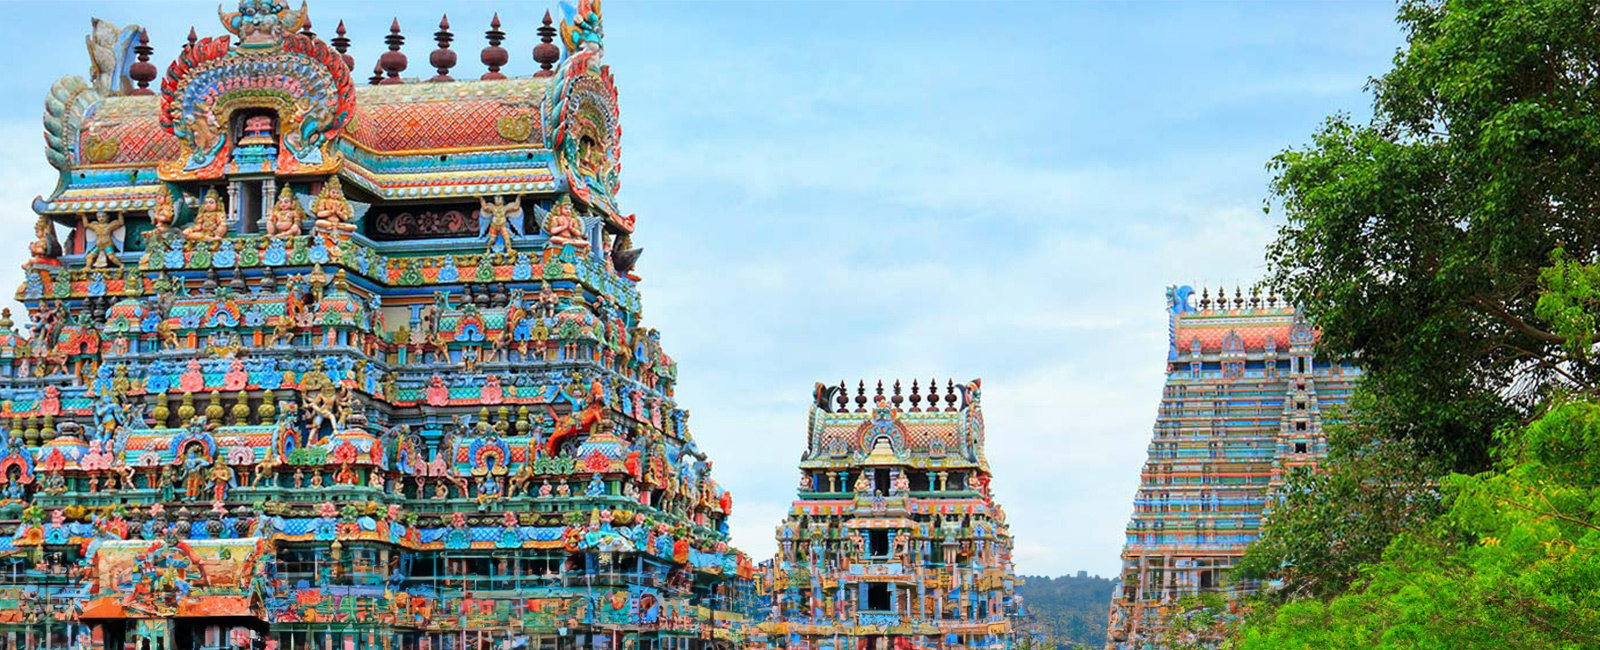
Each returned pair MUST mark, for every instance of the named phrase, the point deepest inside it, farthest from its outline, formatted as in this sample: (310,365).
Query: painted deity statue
(210,221)
(194,473)
(103,250)
(332,210)
(221,477)
(284,221)
(44,244)
(161,216)
(563,225)
(500,217)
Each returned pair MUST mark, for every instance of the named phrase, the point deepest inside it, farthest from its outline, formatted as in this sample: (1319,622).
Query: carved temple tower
(318,363)
(895,540)
(1245,404)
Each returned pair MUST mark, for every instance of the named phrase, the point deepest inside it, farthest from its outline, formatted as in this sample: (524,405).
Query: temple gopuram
(1244,406)
(318,363)
(895,540)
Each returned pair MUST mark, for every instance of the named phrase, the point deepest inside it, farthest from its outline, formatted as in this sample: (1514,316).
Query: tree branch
(1499,311)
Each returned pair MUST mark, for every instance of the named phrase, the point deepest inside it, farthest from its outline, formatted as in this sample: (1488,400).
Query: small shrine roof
(405,141)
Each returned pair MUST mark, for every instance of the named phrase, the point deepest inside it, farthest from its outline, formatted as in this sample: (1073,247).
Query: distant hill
(1072,608)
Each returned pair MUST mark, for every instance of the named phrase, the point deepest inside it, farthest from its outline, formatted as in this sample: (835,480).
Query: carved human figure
(44,244)
(194,473)
(221,478)
(284,221)
(563,226)
(102,231)
(210,221)
(161,216)
(332,210)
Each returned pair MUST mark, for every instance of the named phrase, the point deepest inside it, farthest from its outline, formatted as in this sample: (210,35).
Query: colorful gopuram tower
(895,540)
(317,364)
(1244,405)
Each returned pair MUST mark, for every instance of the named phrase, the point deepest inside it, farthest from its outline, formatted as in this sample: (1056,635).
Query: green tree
(1513,563)
(1416,243)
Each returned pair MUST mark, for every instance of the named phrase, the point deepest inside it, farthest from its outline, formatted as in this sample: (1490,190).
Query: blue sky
(856,190)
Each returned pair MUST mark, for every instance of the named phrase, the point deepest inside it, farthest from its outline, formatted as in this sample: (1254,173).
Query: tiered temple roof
(1245,403)
(895,540)
(336,365)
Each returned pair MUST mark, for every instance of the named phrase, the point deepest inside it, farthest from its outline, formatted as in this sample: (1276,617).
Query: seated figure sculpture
(563,225)
(332,210)
(284,221)
(210,221)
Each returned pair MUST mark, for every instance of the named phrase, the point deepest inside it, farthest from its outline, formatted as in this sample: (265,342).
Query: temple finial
(443,58)
(142,71)
(393,62)
(341,43)
(192,39)
(377,74)
(546,52)
(494,56)
(305,30)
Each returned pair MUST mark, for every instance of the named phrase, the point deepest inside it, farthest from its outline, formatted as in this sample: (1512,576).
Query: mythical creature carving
(498,221)
(110,55)
(262,23)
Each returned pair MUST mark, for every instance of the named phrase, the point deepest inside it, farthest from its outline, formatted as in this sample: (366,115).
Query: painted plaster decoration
(111,53)
(286,217)
(103,240)
(210,220)
(563,226)
(289,416)
(44,247)
(271,71)
(581,122)
(69,100)
(886,539)
(579,422)
(582,29)
(499,220)
(262,23)
(1210,339)
(333,212)
(162,214)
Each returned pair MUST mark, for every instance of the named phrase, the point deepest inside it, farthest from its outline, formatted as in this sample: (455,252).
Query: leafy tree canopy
(1418,243)
(1513,563)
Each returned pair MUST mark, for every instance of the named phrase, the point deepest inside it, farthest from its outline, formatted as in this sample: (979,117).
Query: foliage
(1570,301)
(1072,608)
(1330,522)
(1513,563)
(1416,243)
